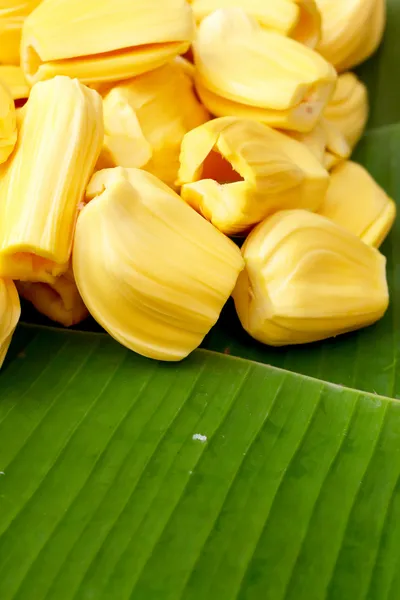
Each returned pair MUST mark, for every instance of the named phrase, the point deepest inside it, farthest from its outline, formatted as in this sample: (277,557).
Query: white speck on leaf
(200,437)
(2,473)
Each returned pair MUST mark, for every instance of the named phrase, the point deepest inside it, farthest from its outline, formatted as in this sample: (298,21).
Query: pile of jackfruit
(141,140)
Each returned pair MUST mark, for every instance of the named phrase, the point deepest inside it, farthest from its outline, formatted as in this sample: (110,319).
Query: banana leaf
(243,473)
(214,478)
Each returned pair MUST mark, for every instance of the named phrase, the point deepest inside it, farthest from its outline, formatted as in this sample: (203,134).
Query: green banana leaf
(243,473)
(106,493)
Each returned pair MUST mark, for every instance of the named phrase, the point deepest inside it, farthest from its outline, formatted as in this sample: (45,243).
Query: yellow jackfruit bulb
(326,142)
(351,30)
(12,16)
(235,172)
(13,78)
(348,108)
(150,270)
(145,119)
(298,19)
(41,186)
(357,203)
(60,301)
(103,40)
(8,123)
(10,311)
(307,279)
(246,71)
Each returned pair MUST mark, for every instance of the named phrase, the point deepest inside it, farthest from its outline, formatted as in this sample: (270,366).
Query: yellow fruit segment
(245,71)
(355,201)
(150,270)
(351,30)
(103,41)
(348,108)
(59,301)
(59,141)
(8,123)
(326,142)
(13,78)
(145,119)
(10,311)
(299,19)
(235,172)
(12,16)
(307,279)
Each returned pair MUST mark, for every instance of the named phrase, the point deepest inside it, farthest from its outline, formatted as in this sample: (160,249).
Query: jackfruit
(357,203)
(8,123)
(307,279)
(10,311)
(59,301)
(348,108)
(235,172)
(12,16)
(298,19)
(41,186)
(351,30)
(248,72)
(145,119)
(150,270)
(109,40)
(13,78)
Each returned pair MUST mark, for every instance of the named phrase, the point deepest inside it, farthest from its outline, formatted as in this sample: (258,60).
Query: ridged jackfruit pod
(8,123)
(351,30)
(248,72)
(307,279)
(107,40)
(12,16)
(235,172)
(13,78)
(326,142)
(145,119)
(10,311)
(357,203)
(348,108)
(60,301)
(150,270)
(41,186)
(298,19)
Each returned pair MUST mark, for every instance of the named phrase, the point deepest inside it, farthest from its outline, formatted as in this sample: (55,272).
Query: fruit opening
(216,167)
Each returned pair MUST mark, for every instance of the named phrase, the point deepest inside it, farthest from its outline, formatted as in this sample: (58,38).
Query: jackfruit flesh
(10,311)
(298,19)
(8,123)
(307,279)
(245,71)
(351,30)
(357,203)
(150,270)
(59,301)
(235,172)
(13,78)
(103,41)
(12,16)
(41,186)
(348,108)
(145,119)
